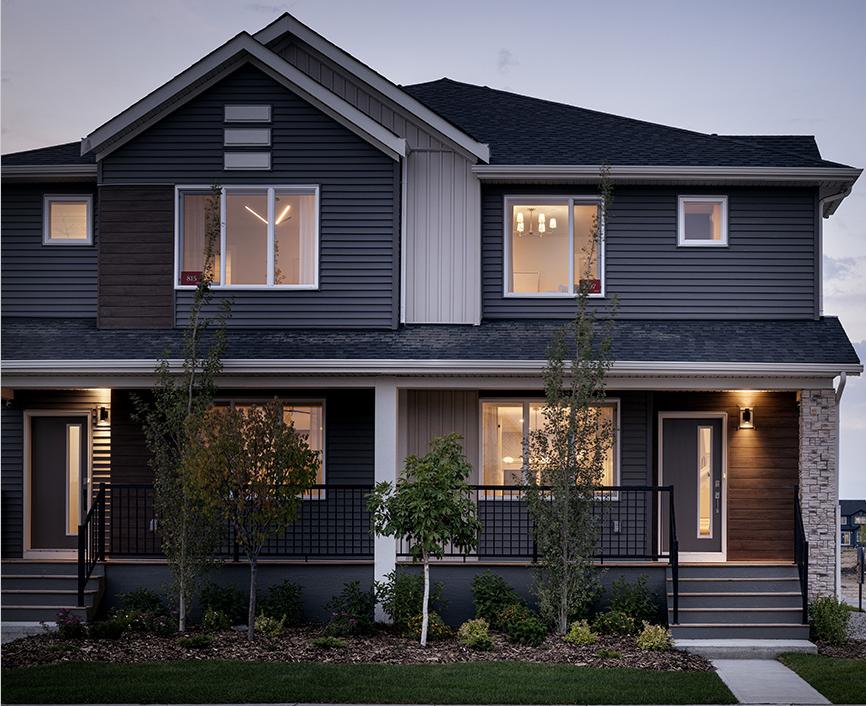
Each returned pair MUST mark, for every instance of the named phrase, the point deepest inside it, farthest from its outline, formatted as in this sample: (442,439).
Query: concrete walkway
(765,681)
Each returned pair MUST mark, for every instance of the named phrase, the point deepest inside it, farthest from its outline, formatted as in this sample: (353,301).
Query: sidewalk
(765,681)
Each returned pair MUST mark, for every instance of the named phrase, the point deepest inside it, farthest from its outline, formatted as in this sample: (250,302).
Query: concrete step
(36,591)
(725,616)
(739,631)
(744,648)
(749,600)
(45,613)
(23,567)
(754,584)
(734,571)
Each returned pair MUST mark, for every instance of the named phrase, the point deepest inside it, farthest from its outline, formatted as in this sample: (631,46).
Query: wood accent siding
(44,280)
(136,257)
(359,201)
(763,468)
(768,270)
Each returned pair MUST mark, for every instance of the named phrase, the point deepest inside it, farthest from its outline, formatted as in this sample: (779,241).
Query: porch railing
(801,553)
(91,541)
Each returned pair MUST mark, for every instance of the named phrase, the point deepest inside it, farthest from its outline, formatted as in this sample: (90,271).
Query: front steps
(723,602)
(34,591)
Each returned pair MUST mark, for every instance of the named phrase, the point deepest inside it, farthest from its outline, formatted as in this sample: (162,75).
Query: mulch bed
(382,648)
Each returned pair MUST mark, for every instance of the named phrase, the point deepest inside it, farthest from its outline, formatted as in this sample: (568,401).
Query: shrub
(271,627)
(402,595)
(609,654)
(156,623)
(530,631)
(215,620)
(613,622)
(225,599)
(142,600)
(283,600)
(513,613)
(829,620)
(580,633)
(492,595)
(654,637)
(69,625)
(635,599)
(436,628)
(351,611)
(110,629)
(196,642)
(473,633)
(329,642)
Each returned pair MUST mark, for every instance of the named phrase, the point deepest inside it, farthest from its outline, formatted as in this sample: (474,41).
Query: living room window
(269,236)
(506,426)
(703,221)
(67,220)
(553,246)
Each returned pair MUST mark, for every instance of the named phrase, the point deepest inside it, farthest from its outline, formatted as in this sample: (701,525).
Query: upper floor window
(860,519)
(553,246)
(703,221)
(67,220)
(269,236)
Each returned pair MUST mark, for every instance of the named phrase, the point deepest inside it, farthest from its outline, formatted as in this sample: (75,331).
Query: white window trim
(541,198)
(305,189)
(47,200)
(681,222)
(526,401)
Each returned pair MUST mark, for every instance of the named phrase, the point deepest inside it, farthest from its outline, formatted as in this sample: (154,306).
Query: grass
(257,682)
(842,681)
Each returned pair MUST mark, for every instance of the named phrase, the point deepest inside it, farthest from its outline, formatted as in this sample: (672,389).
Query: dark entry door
(691,461)
(58,478)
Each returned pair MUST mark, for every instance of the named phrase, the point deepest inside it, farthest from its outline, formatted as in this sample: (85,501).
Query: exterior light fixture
(102,415)
(747,417)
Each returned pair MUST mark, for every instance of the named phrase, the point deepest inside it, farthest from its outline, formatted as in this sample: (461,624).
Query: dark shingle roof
(851,507)
(58,155)
(821,341)
(524,130)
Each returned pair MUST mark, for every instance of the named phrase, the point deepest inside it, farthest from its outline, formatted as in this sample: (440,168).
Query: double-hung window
(506,428)
(268,236)
(553,246)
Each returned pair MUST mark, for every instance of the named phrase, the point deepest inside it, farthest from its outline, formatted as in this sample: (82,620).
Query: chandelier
(541,225)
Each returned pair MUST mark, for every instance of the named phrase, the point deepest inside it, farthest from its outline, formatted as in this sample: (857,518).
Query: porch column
(819,487)
(386,465)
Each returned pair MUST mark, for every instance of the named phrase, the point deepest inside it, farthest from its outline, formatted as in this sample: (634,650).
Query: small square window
(67,220)
(703,221)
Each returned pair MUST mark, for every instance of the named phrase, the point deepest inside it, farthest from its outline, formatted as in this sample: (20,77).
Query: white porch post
(386,467)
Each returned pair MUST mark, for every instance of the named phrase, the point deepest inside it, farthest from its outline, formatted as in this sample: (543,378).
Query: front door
(58,478)
(692,460)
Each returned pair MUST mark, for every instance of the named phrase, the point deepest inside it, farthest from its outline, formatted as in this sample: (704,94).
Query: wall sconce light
(102,415)
(747,417)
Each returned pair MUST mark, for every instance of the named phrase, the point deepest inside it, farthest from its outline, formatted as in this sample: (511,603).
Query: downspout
(843,378)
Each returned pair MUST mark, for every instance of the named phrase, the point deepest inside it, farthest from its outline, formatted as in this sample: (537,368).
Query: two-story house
(852,517)
(399,258)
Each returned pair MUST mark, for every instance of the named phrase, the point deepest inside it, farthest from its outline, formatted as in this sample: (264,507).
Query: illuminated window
(67,220)
(703,221)
(553,246)
(268,236)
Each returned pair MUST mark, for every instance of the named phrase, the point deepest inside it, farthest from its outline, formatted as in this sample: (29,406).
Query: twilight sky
(733,67)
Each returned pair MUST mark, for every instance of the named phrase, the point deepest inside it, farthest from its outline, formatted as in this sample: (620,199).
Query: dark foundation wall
(762,468)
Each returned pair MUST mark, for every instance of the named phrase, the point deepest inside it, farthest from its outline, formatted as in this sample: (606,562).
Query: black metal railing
(801,553)
(674,558)
(91,541)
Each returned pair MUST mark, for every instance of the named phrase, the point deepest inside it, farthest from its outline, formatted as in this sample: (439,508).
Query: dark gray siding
(12,440)
(767,271)
(44,280)
(634,429)
(359,208)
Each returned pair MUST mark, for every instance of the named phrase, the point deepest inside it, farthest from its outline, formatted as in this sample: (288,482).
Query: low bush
(69,625)
(402,595)
(110,629)
(580,633)
(436,627)
(142,600)
(635,599)
(656,638)
(283,600)
(492,595)
(613,622)
(473,633)
(215,620)
(225,599)
(195,642)
(160,623)
(530,631)
(608,654)
(351,611)
(329,642)
(829,620)
(270,627)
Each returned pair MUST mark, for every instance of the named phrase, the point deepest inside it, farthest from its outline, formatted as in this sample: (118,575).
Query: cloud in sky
(506,61)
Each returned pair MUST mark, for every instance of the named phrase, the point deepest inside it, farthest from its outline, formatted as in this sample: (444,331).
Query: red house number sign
(189,277)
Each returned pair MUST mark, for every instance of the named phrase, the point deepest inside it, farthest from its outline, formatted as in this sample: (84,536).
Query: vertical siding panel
(434,413)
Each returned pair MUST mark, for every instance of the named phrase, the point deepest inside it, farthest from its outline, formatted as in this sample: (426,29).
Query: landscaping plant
(435,627)
(271,627)
(613,622)
(654,637)
(351,611)
(402,595)
(227,600)
(635,599)
(69,625)
(492,595)
(196,642)
(829,620)
(580,633)
(283,600)
(473,633)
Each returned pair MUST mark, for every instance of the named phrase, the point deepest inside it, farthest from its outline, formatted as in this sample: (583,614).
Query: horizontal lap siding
(768,269)
(12,446)
(359,207)
(44,280)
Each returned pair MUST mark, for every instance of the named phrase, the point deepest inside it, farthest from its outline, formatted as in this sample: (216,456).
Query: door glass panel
(73,477)
(705,481)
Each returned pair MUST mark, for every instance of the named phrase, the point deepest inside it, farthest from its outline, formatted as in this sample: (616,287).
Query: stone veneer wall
(819,493)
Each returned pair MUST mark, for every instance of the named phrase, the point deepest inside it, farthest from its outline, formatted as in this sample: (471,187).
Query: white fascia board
(171,96)
(38,172)
(289,24)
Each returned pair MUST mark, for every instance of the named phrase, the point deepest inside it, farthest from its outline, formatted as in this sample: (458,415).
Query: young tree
(252,469)
(565,458)
(431,506)
(189,539)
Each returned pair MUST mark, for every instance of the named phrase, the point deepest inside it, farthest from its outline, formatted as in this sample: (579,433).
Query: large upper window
(67,220)
(505,431)
(703,221)
(269,236)
(553,246)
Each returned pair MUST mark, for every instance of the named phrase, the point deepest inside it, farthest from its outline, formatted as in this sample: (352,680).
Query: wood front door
(58,452)
(692,460)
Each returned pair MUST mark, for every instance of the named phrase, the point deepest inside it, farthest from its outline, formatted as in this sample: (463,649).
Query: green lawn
(256,682)
(843,681)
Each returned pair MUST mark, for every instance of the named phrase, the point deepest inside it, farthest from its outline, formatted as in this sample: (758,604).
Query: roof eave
(50,172)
